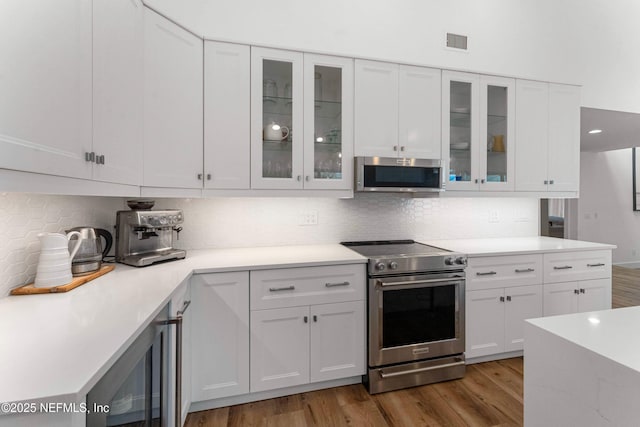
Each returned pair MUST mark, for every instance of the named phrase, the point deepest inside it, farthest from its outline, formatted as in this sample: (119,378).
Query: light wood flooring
(490,394)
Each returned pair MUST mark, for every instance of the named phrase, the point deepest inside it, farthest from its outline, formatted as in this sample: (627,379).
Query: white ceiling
(619,130)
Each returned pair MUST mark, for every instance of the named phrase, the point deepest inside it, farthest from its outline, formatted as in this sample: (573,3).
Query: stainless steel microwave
(391,174)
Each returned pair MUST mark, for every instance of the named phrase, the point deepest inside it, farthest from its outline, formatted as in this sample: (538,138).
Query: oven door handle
(416,371)
(418,282)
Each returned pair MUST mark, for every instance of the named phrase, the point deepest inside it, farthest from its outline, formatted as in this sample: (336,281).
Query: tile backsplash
(238,222)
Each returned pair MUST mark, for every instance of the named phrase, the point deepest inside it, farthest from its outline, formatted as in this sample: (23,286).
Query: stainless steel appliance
(394,174)
(90,254)
(416,299)
(135,390)
(145,237)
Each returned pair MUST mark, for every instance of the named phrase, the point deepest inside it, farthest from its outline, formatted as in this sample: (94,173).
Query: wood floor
(490,394)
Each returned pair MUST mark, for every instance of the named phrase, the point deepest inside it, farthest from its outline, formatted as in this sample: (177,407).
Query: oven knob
(393,265)
(380,266)
(460,260)
(448,261)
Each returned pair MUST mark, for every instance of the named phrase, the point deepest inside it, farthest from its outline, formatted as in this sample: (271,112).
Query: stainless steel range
(416,313)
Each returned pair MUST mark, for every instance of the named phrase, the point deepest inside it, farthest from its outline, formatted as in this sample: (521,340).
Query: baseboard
(493,357)
(628,264)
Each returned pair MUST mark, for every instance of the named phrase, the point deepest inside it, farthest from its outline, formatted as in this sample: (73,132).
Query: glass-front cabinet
(477,131)
(302,110)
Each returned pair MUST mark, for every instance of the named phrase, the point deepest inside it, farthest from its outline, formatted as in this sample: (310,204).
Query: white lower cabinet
(576,297)
(300,333)
(495,318)
(220,335)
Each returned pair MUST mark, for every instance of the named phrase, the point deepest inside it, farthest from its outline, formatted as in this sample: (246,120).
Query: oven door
(415,317)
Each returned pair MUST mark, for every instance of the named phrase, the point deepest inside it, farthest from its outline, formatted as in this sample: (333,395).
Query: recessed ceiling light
(595,131)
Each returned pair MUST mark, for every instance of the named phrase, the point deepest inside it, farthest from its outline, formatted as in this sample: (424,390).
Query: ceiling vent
(456,41)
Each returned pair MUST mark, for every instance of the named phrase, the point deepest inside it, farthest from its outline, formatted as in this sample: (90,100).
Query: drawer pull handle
(564,267)
(600,264)
(488,273)
(286,288)
(524,270)
(333,285)
(582,290)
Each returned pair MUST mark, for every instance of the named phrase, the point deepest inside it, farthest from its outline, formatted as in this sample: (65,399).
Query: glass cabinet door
(460,117)
(276,124)
(497,128)
(328,112)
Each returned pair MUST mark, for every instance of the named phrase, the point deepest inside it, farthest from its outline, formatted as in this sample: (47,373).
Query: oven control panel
(401,265)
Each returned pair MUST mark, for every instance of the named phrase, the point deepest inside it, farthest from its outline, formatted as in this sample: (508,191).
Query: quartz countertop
(515,245)
(55,347)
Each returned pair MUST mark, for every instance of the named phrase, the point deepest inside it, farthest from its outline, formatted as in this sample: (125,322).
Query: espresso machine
(145,237)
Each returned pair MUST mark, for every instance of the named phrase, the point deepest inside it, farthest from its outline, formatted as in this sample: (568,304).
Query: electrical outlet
(308,218)
(494,216)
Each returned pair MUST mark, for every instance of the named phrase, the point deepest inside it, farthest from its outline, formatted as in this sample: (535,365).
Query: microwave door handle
(419,282)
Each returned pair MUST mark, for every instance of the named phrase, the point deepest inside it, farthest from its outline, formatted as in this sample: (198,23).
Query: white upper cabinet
(276,119)
(548,133)
(173,105)
(478,135)
(397,110)
(118,90)
(226,115)
(328,122)
(419,112)
(45,107)
(376,109)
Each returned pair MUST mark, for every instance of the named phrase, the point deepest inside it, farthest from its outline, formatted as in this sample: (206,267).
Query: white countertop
(609,333)
(55,347)
(515,245)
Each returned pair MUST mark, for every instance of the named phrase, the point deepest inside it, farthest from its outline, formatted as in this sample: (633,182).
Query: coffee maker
(145,237)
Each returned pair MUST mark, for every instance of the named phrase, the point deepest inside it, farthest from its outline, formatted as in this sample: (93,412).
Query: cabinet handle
(482,181)
(564,267)
(306,178)
(208,177)
(524,270)
(299,177)
(402,148)
(306,319)
(286,288)
(475,181)
(199,177)
(501,299)
(575,291)
(395,148)
(600,264)
(100,160)
(90,157)
(551,182)
(488,273)
(331,285)
(546,182)
(508,297)
(582,291)
(315,318)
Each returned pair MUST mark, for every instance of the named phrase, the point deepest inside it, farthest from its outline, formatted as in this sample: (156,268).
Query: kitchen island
(583,369)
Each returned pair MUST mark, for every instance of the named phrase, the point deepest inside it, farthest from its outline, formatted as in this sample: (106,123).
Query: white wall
(605,206)
(592,43)
(231,222)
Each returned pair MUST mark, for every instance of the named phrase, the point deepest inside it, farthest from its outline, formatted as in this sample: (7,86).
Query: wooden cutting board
(77,281)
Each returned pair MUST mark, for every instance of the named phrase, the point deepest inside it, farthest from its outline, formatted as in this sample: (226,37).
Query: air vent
(456,41)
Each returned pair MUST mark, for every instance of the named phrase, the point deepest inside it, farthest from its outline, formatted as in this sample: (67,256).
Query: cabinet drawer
(569,266)
(290,287)
(502,271)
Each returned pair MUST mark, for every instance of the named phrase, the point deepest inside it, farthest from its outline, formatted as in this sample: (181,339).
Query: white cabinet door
(220,335)
(45,106)
(564,138)
(484,320)
(172,104)
(460,126)
(376,108)
(419,112)
(277,131)
(337,340)
(560,298)
(279,348)
(227,118)
(521,302)
(594,295)
(118,90)
(532,124)
(328,122)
